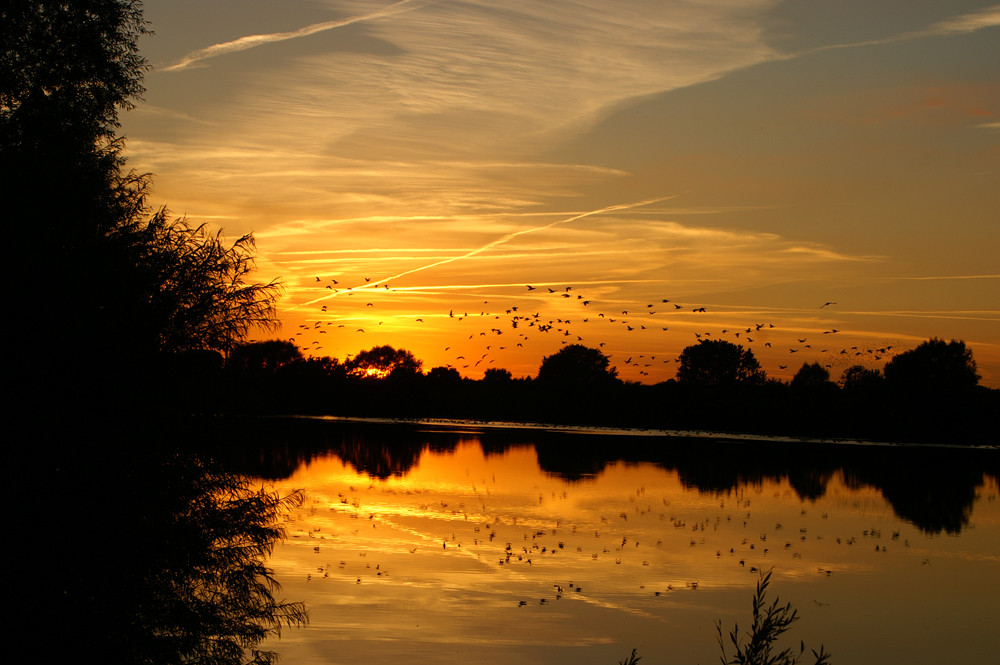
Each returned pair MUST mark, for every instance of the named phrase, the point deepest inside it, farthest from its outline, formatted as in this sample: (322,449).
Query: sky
(815,181)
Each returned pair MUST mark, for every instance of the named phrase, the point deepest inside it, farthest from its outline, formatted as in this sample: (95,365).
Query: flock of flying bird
(512,326)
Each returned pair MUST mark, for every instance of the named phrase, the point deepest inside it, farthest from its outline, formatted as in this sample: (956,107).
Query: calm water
(430,546)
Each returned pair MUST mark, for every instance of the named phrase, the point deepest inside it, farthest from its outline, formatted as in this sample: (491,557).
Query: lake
(445,542)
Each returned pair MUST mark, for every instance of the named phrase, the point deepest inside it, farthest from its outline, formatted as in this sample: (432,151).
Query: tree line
(928,394)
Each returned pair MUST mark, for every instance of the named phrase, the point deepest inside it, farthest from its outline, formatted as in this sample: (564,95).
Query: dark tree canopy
(192,284)
(718,362)
(934,365)
(497,375)
(66,68)
(444,375)
(577,365)
(133,284)
(266,356)
(381,361)
(859,377)
(811,375)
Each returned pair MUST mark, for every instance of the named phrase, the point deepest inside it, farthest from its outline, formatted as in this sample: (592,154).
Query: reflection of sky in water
(488,558)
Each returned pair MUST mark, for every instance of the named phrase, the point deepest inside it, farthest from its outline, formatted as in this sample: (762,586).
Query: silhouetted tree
(811,376)
(858,378)
(66,68)
(132,283)
(577,365)
(444,376)
(381,361)
(717,362)
(497,375)
(189,288)
(934,365)
(264,356)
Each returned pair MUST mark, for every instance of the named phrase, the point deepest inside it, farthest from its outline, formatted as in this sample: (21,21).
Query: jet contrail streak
(510,236)
(250,41)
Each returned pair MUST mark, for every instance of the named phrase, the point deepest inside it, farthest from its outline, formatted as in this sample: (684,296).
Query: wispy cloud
(957,25)
(988,17)
(252,41)
(510,236)
(945,277)
(827,254)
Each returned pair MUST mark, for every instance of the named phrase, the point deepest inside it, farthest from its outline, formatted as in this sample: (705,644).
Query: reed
(758,646)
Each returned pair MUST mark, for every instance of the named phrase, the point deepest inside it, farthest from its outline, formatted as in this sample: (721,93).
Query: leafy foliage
(934,365)
(66,68)
(758,646)
(136,286)
(811,376)
(858,378)
(717,362)
(577,365)
(192,286)
(497,375)
(381,361)
(267,356)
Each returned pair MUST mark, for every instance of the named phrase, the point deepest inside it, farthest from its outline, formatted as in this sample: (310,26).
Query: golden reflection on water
(489,559)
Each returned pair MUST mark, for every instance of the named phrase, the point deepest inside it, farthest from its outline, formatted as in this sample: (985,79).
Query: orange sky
(758,159)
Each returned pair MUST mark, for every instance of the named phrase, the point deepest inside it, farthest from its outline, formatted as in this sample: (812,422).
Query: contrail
(510,236)
(988,17)
(250,41)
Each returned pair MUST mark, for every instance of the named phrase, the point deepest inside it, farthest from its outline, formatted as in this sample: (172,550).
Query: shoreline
(453,424)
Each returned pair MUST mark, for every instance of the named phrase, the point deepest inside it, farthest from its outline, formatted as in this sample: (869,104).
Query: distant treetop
(717,362)
(381,361)
(577,365)
(934,365)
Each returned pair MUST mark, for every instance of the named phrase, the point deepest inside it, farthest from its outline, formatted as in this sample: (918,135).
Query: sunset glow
(481,183)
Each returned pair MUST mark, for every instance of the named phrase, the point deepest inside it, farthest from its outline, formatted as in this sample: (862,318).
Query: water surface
(425,545)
